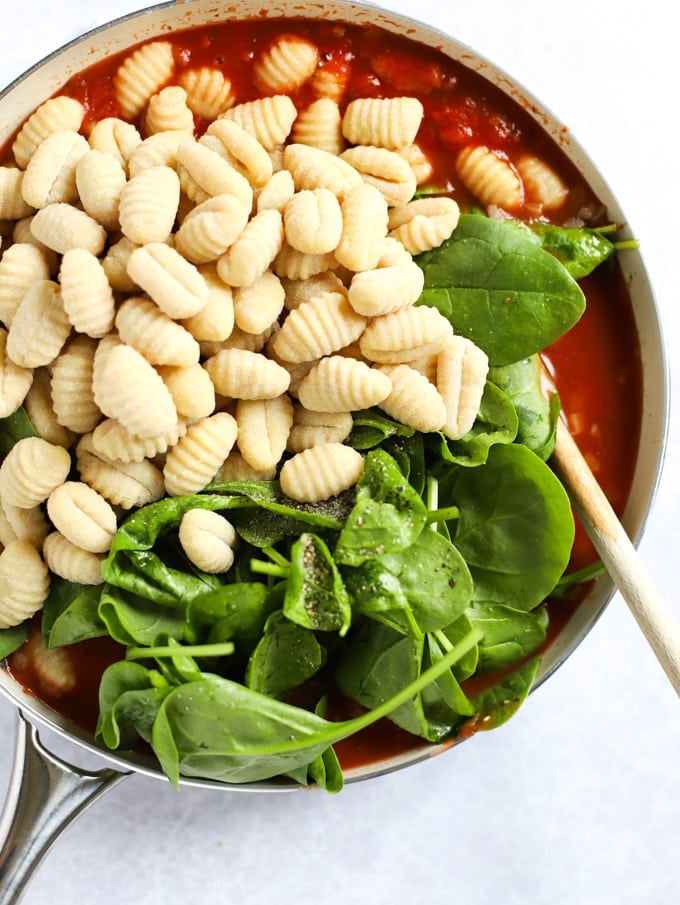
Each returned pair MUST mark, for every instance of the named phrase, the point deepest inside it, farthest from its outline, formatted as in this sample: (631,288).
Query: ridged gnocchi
(142,73)
(242,374)
(192,463)
(286,64)
(269,119)
(208,539)
(70,561)
(263,429)
(86,293)
(319,326)
(321,472)
(125,484)
(82,515)
(31,470)
(24,583)
(56,114)
(131,391)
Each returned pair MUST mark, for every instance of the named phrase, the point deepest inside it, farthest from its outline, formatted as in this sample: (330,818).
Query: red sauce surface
(596,367)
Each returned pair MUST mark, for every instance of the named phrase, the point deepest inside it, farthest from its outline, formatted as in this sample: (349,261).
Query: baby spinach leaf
(263,528)
(379,661)
(234,612)
(454,633)
(434,578)
(500,289)
(536,415)
(516,527)
(315,595)
(377,593)
(146,574)
(388,514)
(409,454)
(285,657)
(325,771)
(268,495)
(71,613)
(497,704)
(509,635)
(445,696)
(128,704)
(371,427)
(131,619)
(14,428)
(12,638)
(579,249)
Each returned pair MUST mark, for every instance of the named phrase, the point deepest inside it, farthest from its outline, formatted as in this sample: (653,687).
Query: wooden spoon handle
(619,555)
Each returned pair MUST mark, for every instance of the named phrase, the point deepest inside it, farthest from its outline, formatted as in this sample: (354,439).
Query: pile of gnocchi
(178,309)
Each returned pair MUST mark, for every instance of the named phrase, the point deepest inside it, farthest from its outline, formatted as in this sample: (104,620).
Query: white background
(576,800)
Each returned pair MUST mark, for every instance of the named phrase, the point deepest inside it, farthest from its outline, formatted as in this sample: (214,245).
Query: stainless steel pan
(47,792)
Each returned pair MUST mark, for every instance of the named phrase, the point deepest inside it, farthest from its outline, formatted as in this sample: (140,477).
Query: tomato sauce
(596,367)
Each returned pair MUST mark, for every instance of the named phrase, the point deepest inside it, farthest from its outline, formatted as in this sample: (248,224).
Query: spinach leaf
(71,613)
(12,638)
(499,289)
(497,704)
(315,595)
(445,696)
(129,698)
(377,593)
(434,578)
(379,661)
(409,454)
(14,428)
(454,633)
(579,249)
(371,427)
(536,415)
(133,565)
(509,635)
(285,657)
(268,495)
(515,529)
(388,514)
(234,612)
(131,619)
(263,528)
(325,771)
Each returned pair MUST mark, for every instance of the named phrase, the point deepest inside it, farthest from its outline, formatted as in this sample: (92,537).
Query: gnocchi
(208,539)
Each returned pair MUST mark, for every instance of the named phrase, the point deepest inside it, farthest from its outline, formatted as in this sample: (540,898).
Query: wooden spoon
(618,554)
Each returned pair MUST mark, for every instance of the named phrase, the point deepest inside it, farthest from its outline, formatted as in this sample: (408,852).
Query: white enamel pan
(46,793)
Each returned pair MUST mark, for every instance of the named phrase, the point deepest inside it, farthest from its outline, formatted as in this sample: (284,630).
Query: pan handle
(45,795)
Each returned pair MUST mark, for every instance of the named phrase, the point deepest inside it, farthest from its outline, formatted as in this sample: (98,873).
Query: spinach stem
(626,244)
(432,492)
(268,568)
(278,568)
(434,514)
(442,515)
(587,573)
(276,557)
(221,649)
(443,640)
